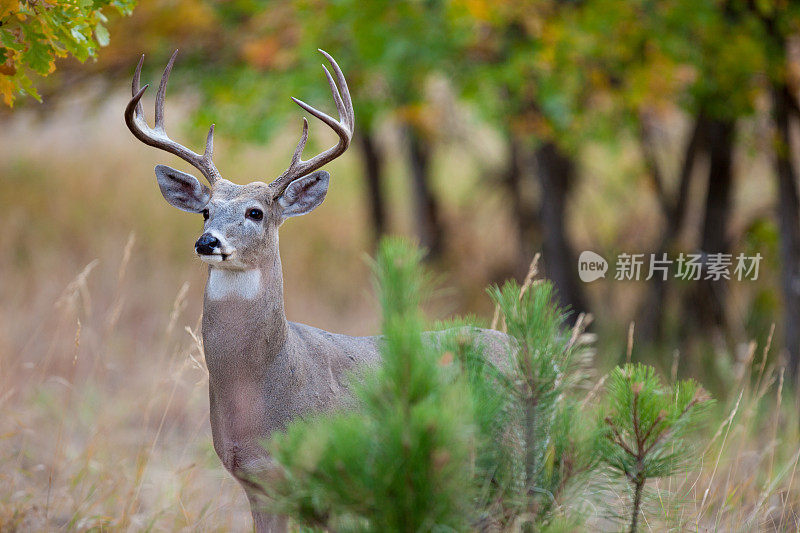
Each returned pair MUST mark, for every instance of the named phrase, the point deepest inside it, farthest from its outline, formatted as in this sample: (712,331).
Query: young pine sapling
(645,426)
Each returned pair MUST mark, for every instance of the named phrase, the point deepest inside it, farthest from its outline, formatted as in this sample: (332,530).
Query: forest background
(486,131)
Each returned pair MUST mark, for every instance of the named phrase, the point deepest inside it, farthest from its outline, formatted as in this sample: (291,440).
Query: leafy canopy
(33,33)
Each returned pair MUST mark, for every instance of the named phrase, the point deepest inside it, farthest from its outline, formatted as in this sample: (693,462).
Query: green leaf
(77,35)
(26,86)
(47,31)
(9,41)
(101,33)
(39,55)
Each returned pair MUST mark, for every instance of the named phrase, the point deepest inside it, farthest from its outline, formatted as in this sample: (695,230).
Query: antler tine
(208,153)
(298,151)
(162,92)
(324,117)
(348,103)
(337,98)
(157,136)
(343,127)
(135,86)
(134,116)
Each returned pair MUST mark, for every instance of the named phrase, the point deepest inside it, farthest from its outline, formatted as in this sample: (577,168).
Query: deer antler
(157,136)
(343,127)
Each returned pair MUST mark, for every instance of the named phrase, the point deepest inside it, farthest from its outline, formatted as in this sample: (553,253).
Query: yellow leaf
(7,7)
(8,69)
(260,53)
(7,90)
(479,9)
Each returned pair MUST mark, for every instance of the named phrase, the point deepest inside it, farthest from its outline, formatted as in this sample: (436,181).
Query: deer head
(241,221)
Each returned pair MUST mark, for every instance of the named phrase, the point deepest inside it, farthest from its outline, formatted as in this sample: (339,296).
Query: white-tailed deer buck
(263,371)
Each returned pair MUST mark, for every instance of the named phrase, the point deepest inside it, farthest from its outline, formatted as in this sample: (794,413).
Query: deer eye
(205,214)
(255,214)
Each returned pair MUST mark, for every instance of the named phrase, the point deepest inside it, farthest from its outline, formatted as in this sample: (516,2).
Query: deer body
(263,370)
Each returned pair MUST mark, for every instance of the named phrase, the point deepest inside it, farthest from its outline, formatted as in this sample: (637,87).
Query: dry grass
(102,385)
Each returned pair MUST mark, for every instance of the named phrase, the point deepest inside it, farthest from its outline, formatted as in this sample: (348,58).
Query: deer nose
(205,244)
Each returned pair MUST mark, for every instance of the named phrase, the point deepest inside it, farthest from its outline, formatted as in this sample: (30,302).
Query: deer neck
(244,323)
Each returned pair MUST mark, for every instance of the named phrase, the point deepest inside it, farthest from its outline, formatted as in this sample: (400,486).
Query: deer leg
(253,469)
(264,522)
(269,523)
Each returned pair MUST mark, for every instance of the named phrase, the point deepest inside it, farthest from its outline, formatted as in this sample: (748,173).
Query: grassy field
(102,383)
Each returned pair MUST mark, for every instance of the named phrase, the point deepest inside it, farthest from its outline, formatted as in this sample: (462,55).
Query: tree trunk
(556,172)
(721,135)
(789,221)
(372,159)
(425,208)
(638,488)
(706,304)
(524,211)
(650,326)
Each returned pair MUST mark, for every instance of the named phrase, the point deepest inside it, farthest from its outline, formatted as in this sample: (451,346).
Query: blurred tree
(373,163)
(34,33)
(556,75)
(779,22)
(679,55)
(528,78)
(728,49)
(784,110)
(674,208)
(389,50)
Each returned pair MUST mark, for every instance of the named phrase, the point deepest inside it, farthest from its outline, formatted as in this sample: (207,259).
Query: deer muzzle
(207,244)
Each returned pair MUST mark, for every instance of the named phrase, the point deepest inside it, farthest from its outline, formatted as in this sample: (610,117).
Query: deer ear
(182,190)
(304,194)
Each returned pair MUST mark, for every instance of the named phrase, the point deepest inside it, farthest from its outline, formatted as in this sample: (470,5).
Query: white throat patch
(223,283)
